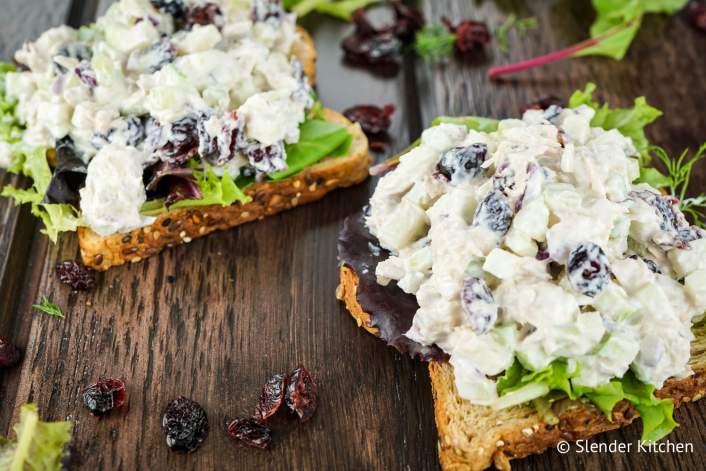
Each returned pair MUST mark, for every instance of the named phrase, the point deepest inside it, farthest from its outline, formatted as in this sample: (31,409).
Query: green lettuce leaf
(475,123)
(617,23)
(612,32)
(342,9)
(557,377)
(657,414)
(630,122)
(56,217)
(317,139)
(40,446)
(215,190)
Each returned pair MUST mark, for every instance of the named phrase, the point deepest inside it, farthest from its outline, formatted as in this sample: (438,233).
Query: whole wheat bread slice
(183,225)
(475,437)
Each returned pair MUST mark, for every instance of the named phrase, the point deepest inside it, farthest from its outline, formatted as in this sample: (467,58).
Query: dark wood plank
(665,64)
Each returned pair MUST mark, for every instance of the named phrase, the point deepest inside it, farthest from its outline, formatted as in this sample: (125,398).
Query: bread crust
(475,437)
(184,225)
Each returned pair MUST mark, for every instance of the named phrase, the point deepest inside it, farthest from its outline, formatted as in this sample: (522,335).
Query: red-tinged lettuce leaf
(391,309)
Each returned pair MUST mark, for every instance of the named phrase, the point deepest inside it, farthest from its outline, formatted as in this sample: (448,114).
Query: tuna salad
(158,105)
(531,251)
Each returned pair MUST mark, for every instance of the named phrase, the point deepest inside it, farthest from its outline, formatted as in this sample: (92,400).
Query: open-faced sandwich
(555,293)
(167,120)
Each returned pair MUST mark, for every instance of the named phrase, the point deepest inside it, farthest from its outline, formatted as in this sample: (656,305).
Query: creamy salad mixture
(532,242)
(162,81)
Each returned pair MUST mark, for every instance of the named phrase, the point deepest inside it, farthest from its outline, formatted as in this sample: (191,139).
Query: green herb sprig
(49,307)
(434,43)
(521,25)
(677,180)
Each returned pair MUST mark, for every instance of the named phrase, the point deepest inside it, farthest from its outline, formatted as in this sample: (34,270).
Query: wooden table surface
(259,299)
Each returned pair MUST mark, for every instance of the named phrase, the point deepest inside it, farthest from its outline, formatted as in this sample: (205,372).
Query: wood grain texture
(259,299)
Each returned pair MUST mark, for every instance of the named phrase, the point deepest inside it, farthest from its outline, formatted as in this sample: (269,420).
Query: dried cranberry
(494,213)
(251,432)
(184,142)
(651,265)
(373,119)
(185,424)
(408,20)
(265,159)
(271,397)
(587,269)
(86,74)
(79,277)
(208,14)
(469,34)
(104,396)
(462,163)
(10,355)
(672,220)
(77,50)
(265,10)
(478,305)
(154,58)
(370,46)
(543,103)
(302,394)
(135,130)
(696,11)
(176,8)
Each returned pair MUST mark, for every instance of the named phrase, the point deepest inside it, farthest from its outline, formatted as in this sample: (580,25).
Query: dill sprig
(678,177)
(522,25)
(49,307)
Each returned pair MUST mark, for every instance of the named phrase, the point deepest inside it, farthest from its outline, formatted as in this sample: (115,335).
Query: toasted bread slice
(474,437)
(183,225)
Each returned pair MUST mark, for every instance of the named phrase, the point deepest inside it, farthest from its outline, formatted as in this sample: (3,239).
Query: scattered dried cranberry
(79,277)
(373,119)
(251,432)
(185,424)
(544,103)
(271,398)
(302,393)
(104,396)
(696,11)
(408,20)
(368,45)
(469,34)
(10,355)
(208,14)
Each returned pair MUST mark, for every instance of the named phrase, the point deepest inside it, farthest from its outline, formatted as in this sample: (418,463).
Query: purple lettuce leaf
(391,309)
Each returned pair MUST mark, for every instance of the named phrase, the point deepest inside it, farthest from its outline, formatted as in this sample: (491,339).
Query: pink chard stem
(541,60)
(557,55)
